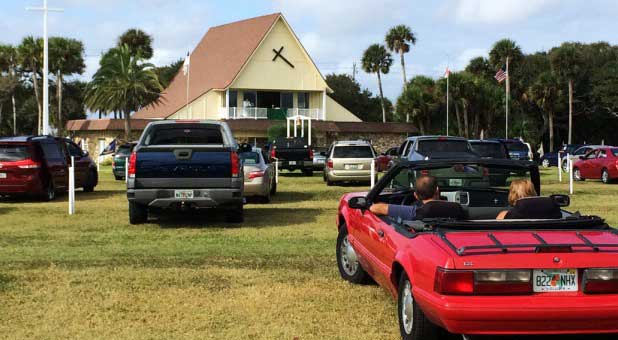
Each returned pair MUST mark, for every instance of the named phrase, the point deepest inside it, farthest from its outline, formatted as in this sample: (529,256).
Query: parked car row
(38,167)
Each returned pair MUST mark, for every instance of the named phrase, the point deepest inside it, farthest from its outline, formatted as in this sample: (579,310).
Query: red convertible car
(601,163)
(554,272)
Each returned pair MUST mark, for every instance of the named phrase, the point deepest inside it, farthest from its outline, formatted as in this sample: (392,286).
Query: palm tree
(30,53)
(545,93)
(124,83)
(419,99)
(376,59)
(399,39)
(66,58)
(138,42)
(566,62)
(8,64)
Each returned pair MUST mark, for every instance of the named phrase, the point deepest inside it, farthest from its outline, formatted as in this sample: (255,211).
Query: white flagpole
(447,99)
(508,93)
(45,11)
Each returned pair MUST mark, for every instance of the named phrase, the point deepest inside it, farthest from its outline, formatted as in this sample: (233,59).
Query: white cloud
(498,11)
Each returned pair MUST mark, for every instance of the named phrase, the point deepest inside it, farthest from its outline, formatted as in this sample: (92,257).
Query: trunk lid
(18,162)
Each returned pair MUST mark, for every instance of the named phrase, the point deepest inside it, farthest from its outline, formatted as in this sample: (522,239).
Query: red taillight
(311,153)
(256,174)
(132,162)
(485,172)
(601,281)
(273,153)
(329,163)
(454,282)
(498,282)
(28,164)
(616,165)
(235,164)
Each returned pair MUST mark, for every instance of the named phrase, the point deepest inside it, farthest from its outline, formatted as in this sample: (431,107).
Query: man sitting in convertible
(427,192)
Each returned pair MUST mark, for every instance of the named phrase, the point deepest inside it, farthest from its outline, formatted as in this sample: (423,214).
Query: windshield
(518,147)
(124,150)
(250,158)
(352,152)
(615,152)
(438,145)
(462,177)
(12,153)
(492,150)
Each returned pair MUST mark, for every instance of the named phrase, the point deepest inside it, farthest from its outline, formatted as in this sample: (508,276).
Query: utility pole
(508,96)
(45,11)
(354,71)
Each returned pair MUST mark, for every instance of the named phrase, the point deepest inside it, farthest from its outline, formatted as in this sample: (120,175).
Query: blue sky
(335,32)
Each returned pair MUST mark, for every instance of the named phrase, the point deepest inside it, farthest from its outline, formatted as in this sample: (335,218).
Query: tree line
(124,82)
(573,84)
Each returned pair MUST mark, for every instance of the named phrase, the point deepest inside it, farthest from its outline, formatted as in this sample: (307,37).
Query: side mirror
(561,200)
(359,203)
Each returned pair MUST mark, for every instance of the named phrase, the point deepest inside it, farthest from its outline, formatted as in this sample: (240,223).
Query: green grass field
(92,275)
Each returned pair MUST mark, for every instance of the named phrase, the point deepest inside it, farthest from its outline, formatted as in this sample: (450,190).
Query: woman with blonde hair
(520,188)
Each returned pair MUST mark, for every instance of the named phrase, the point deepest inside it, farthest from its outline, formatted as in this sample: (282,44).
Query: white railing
(316,114)
(243,113)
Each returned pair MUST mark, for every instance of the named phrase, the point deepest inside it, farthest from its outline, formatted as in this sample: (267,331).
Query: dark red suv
(37,166)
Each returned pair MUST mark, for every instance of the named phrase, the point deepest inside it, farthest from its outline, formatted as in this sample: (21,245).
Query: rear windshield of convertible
(179,134)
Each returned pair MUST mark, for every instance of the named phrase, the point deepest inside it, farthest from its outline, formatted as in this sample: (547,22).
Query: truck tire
(90,181)
(235,215)
(138,213)
(308,172)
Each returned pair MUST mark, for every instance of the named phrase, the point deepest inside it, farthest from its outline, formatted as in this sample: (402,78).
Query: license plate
(292,162)
(2,174)
(455,182)
(352,166)
(183,194)
(555,280)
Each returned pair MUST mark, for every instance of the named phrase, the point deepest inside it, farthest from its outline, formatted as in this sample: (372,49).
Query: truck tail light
(132,162)
(273,153)
(256,174)
(329,163)
(490,282)
(235,164)
(310,153)
(601,281)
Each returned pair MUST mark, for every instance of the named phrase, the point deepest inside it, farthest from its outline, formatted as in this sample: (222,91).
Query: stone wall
(381,141)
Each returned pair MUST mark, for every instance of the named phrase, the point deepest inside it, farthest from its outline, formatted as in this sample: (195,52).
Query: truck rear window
(520,147)
(179,134)
(13,153)
(437,145)
(352,152)
(493,150)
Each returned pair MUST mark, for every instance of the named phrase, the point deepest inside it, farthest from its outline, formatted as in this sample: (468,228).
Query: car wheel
(236,215)
(565,166)
(273,188)
(329,182)
(577,175)
(605,177)
(413,324)
(138,213)
(308,173)
(545,163)
(50,192)
(90,181)
(266,199)
(118,178)
(347,261)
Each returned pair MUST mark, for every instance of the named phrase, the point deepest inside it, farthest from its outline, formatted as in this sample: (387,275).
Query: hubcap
(407,304)
(348,257)
(545,163)
(605,176)
(576,174)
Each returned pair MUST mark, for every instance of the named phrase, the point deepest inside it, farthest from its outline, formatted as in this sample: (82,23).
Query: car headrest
(535,208)
(440,209)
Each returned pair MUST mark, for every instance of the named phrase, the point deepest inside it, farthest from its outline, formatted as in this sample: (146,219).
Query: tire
(265,199)
(273,188)
(545,163)
(329,182)
(413,324)
(236,215)
(49,194)
(577,176)
(90,181)
(565,166)
(347,261)
(605,177)
(308,173)
(138,213)
(118,178)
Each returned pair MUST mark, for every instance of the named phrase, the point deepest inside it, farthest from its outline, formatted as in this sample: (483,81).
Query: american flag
(447,72)
(501,74)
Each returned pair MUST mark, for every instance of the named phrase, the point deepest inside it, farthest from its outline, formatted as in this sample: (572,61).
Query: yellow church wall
(337,113)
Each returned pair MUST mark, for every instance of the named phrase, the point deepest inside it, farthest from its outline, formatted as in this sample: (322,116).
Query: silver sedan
(259,176)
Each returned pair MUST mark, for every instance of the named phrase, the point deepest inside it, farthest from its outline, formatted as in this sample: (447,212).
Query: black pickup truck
(185,165)
(292,153)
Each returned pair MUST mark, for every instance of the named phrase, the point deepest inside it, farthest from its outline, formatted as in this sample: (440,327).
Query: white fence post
(571,175)
(99,163)
(560,167)
(276,170)
(373,172)
(126,169)
(72,187)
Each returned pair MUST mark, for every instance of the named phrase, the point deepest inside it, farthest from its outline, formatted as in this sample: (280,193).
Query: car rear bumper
(483,315)
(32,187)
(202,198)
(256,187)
(348,175)
(285,164)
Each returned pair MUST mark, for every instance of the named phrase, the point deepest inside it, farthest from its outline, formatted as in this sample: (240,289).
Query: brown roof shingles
(104,124)
(215,62)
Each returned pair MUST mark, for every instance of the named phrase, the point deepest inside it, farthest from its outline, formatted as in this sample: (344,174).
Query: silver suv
(349,161)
